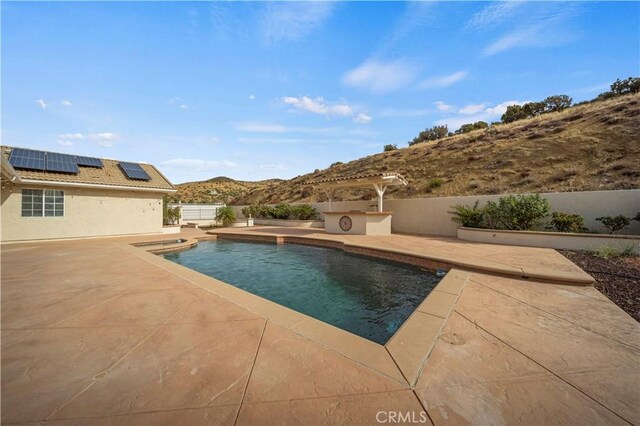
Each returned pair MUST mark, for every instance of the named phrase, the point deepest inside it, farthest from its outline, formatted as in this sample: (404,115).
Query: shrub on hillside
(478,125)
(431,134)
(435,183)
(566,222)
(390,147)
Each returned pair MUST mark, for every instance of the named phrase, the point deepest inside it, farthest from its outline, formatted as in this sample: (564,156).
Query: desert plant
(566,222)
(225,215)
(614,223)
(258,211)
(517,212)
(471,217)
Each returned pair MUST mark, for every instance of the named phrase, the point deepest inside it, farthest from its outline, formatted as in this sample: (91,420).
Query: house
(48,195)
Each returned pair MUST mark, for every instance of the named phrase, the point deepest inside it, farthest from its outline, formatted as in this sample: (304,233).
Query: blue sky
(261,90)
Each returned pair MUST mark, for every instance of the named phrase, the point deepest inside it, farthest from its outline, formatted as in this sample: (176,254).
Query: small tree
(556,103)
(465,128)
(390,147)
(534,109)
(614,223)
(514,113)
(628,85)
(431,134)
(226,215)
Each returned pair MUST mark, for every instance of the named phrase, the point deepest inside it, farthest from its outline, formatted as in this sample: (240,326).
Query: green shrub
(516,212)
(170,215)
(614,223)
(257,211)
(608,252)
(281,211)
(471,217)
(565,222)
(390,147)
(226,215)
(302,212)
(435,183)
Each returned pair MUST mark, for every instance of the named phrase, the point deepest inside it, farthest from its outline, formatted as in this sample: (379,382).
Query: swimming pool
(368,297)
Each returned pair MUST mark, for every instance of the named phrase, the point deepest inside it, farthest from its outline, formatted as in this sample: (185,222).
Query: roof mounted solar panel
(134,171)
(63,163)
(89,162)
(28,159)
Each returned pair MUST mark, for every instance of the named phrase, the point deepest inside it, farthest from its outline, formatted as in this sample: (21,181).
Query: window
(38,203)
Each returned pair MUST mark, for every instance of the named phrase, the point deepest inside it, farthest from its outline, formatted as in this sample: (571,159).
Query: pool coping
(400,359)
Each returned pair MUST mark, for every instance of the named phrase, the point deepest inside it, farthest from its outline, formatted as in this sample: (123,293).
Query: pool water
(368,297)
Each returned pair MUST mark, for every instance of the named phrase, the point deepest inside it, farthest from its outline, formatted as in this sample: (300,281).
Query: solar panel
(134,171)
(64,163)
(89,162)
(29,159)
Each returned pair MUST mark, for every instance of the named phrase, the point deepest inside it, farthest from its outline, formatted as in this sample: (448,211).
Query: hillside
(588,147)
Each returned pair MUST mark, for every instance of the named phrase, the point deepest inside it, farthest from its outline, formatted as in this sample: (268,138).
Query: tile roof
(109,175)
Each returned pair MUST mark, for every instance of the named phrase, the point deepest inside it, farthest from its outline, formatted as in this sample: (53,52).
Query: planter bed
(556,240)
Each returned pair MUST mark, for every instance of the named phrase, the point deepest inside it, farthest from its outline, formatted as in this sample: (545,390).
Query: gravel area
(617,278)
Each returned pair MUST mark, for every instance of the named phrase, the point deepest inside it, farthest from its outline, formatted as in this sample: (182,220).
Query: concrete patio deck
(101,332)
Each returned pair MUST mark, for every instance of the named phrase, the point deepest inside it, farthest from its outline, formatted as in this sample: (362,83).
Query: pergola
(379,181)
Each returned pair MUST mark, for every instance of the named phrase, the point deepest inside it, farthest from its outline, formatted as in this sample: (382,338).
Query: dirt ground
(617,278)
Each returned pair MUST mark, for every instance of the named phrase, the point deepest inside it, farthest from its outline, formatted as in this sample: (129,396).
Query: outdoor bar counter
(358,223)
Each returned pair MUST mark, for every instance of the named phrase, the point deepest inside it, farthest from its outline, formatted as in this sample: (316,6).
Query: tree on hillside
(431,134)
(534,109)
(514,113)
(472,126)
(628,85)
(556,103)
(390,147)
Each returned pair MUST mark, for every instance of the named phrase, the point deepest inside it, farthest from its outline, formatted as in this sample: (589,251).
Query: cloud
(105,140)
(380,77)
(271,167)
(64,143)
(541,24)
(184,106)
(362,118)
(444,80)
(197,164)
(252,97)
(471,109)
(477,112)
(66,103)
(42,104)
(252,126)
(442,106)
(71,136)
(494,14)
(318,106)
(415,16)
(395,112)
(289,21)
(275,141)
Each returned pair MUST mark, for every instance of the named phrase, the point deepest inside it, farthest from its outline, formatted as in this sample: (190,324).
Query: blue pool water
(368,297)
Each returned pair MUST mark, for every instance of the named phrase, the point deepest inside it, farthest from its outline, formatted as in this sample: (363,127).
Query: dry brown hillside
(588,147)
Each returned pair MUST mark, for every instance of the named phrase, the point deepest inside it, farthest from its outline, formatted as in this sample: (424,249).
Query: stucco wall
(87,213)
(430,215)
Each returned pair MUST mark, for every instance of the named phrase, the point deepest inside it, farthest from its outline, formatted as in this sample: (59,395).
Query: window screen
(39,203)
